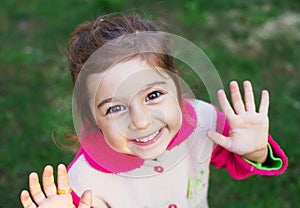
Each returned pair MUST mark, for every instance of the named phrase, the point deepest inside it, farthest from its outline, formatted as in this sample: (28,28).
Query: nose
(139,116)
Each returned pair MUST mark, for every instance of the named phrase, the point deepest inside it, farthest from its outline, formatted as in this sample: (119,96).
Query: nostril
(139,117)
(141,122)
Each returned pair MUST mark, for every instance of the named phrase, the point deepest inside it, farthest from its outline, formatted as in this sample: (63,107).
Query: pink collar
(105,159)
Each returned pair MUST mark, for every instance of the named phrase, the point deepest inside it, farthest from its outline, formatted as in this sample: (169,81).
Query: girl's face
(136,107)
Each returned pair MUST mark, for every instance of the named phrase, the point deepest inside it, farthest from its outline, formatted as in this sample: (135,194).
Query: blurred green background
(255,40)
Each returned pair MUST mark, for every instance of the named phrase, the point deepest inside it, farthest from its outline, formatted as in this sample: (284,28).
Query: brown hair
(91,36)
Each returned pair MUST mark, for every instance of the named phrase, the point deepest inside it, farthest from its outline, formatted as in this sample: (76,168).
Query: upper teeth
(148,138)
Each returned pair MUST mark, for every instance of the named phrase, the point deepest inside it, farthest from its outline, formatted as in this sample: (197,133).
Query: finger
(220,140)
(224,103)
(35,188)
(62,179)
(249,97)
(236,97)
(48,181)
(85,200)
(26,200)
(264,102)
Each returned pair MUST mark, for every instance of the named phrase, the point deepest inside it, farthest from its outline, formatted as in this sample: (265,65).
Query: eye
(153,95)
(115,109)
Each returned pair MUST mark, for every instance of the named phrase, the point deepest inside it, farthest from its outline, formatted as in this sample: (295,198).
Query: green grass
(36,91)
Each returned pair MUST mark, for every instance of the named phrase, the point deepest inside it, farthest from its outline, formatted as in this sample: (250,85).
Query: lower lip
(151,141)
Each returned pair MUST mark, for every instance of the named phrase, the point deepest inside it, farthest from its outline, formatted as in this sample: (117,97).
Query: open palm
(249,129)
(49,196)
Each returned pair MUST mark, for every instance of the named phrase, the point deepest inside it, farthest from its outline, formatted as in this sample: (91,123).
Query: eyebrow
(108,100)
(152,84)
(147,87)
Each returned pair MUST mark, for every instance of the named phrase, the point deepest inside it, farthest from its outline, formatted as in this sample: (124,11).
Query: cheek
(111,133)
(174,115)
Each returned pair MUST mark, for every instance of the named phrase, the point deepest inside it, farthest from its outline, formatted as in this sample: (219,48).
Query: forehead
(125,76)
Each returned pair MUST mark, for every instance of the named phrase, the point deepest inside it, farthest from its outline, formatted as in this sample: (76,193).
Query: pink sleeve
(237,167)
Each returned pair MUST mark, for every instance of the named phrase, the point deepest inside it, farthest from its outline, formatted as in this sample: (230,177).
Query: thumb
(85,200)
(220,139)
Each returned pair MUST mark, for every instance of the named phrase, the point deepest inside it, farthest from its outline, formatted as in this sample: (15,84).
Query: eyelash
(154,94)
(115,109)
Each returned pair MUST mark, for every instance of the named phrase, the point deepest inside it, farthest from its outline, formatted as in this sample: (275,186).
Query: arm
(243,144)
(51,196)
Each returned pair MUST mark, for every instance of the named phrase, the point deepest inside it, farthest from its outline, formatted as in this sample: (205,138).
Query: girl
(142,143)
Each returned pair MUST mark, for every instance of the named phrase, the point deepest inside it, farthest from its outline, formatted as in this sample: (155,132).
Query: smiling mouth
(149,139)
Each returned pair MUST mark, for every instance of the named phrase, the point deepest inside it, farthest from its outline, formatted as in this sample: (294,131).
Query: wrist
(259,156)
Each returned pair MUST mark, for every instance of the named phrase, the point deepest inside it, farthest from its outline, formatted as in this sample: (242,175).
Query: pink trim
(277,152)
(189,122)
(76,199)
(106,159)
(103,158)
(79,153)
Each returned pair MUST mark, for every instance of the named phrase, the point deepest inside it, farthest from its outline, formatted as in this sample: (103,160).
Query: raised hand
(248,128)
(52,196)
